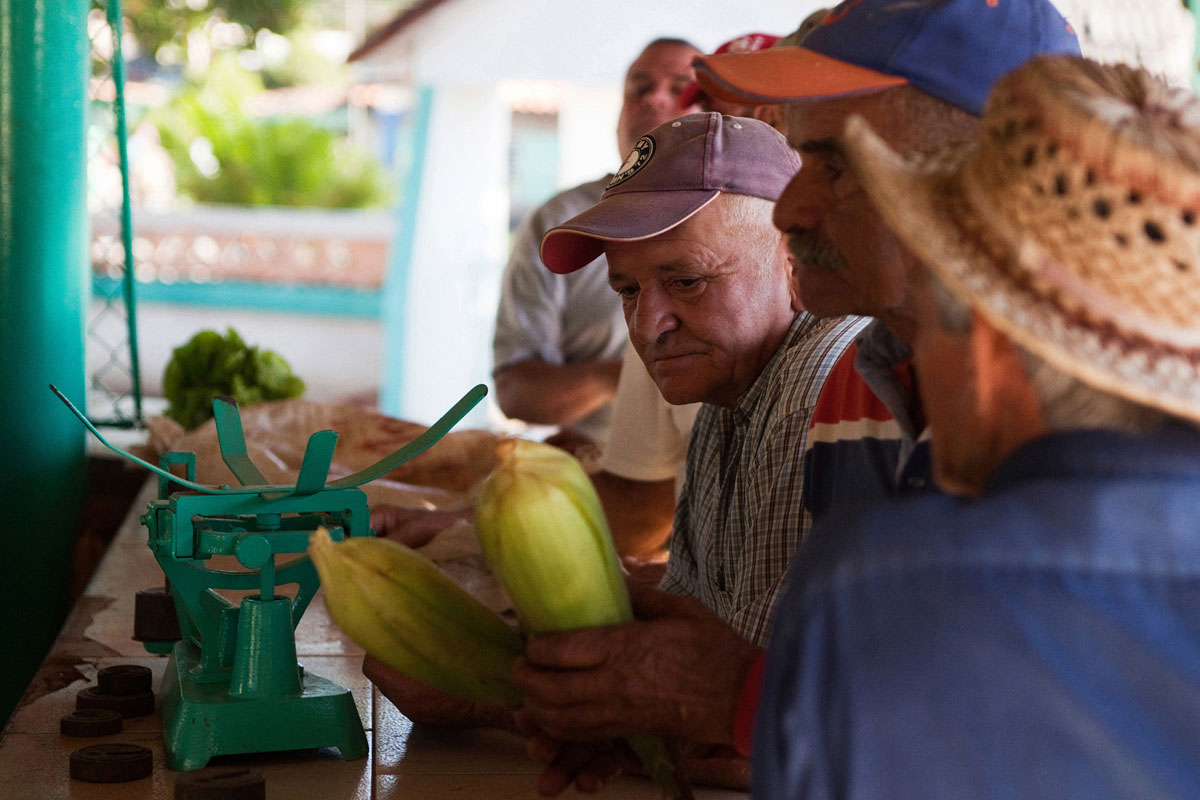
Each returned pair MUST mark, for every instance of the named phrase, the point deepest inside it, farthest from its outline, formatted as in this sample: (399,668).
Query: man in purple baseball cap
(703,277)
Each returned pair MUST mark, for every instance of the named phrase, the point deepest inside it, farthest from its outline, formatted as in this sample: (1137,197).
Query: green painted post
(113,13)
(43,257)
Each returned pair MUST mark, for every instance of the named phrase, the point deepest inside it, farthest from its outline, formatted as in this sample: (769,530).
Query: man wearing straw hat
(1040,639)
(920,71)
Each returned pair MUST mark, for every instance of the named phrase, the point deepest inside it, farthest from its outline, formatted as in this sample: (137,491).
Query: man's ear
(797,303)
(1001,382)
(781,258)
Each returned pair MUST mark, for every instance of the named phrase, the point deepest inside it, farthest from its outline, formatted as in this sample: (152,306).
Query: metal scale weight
(233,684)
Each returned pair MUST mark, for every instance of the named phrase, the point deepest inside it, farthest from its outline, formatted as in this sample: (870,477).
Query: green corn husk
(544,535)
(403,610)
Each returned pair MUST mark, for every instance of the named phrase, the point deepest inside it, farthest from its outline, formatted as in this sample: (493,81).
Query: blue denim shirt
(1040,642)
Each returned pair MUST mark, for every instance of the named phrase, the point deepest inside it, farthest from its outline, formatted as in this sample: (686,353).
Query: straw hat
(1072,224)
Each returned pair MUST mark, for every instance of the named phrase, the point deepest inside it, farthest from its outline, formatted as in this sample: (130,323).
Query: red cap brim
(785,74)
(690,95)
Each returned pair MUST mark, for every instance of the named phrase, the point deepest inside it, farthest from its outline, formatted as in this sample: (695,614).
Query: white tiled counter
(405,761)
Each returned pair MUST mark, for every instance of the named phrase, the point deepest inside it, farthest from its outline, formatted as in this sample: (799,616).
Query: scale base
(202,720)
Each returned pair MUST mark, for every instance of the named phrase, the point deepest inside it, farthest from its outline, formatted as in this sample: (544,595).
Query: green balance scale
(232,683)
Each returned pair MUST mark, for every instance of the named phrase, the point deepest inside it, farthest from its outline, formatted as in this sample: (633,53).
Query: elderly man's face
(652,88)
(844,259)
(706,308)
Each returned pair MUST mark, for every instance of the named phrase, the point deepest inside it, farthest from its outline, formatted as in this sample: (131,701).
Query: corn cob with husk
(544,535)
(403,610)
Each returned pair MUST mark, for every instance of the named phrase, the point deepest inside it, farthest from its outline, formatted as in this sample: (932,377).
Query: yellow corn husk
(543,533)
(403,610)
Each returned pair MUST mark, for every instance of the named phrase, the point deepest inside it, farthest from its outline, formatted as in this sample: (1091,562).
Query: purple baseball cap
(954,50)
(672,172)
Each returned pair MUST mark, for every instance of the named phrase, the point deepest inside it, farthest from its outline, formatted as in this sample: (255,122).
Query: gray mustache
(805,249)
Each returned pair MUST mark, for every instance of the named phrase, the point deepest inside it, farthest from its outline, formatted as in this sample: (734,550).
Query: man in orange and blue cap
(919,73)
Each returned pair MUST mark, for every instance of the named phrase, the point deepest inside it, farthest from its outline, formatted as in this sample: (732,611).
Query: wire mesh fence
(114,381)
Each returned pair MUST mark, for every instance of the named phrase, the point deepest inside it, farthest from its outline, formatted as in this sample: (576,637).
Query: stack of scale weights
(123,691)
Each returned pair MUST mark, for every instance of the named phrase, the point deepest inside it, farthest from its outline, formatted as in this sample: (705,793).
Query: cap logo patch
(639,156)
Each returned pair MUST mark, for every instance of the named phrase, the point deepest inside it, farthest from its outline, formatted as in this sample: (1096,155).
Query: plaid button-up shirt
(741,514)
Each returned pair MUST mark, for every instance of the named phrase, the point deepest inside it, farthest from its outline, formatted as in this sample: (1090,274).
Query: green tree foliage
(222,155)
(159,22)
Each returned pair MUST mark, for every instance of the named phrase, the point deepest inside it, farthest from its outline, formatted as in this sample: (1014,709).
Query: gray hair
(930,124)
(751,218)
(908,118)
(1067,403)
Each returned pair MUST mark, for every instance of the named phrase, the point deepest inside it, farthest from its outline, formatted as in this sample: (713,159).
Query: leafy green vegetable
(211,364)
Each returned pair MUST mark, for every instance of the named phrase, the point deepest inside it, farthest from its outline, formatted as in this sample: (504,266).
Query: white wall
(1159,35)
(459,246)
(587,131)
(585,42)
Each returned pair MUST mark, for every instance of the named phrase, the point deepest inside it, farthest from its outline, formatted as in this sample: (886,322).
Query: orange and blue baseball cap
(954,50)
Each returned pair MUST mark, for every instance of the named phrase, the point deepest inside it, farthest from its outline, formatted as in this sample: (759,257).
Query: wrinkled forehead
(730,226)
